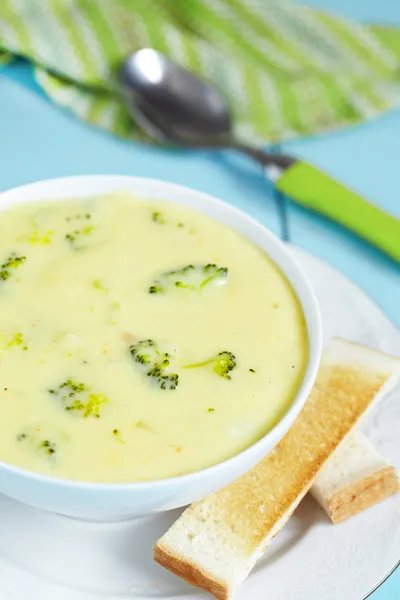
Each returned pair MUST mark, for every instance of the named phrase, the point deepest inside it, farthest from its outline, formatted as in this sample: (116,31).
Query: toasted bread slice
(217,541)
(354,478)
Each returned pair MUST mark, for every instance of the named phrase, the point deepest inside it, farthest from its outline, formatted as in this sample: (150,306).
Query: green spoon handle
(314,189)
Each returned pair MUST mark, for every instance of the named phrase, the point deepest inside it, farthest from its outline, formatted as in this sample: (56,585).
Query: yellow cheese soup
(139,340)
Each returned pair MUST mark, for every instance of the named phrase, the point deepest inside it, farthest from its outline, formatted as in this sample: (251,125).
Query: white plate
(48,557)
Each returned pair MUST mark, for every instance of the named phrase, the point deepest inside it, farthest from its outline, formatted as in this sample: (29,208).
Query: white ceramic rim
(55,189)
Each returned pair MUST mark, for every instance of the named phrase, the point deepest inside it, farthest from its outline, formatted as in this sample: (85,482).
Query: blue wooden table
(39,141)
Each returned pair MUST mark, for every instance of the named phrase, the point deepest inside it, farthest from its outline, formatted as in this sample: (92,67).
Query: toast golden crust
(363,494)
(190,572)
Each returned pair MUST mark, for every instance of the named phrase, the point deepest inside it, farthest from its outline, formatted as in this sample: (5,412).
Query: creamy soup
(138,340)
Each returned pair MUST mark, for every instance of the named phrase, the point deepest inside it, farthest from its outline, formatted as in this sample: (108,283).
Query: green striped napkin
(286,69)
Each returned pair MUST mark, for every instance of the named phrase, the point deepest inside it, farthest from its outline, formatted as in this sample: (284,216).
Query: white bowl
(111,502)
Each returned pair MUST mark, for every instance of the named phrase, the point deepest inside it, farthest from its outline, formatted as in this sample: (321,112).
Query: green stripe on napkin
(286,69)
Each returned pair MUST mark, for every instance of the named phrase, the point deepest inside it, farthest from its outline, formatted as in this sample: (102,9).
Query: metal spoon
(172,104)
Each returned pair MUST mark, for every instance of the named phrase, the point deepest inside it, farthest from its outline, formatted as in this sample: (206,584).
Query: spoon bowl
(171,103)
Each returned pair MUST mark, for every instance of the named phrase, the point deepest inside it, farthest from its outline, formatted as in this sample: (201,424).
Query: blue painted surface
(385,12)
(38,140)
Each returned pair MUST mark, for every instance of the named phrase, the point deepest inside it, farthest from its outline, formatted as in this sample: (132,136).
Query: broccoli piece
(12,262)
(78,217)
(74,387)
(76,397)
(76,237)
(224,362)
(157,217)
(155,289)
(155,363)
(166,382)
(48,447)
(18,340)
(38,238)
(213,272)
(97,284)
(117,435)
(190,277)
(93,404)
(45,446)
(145,352)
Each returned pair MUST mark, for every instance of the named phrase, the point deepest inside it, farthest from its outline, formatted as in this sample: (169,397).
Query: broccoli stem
(224,362)
(199,364)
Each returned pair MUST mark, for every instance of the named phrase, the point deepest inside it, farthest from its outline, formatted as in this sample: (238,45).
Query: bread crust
(363,494)
(190,572)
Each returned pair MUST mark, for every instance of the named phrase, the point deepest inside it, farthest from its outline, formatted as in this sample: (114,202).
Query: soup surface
(138,339)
